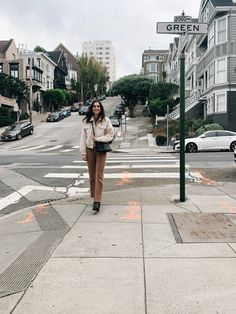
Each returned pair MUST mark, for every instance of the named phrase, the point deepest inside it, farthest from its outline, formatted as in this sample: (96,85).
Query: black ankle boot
(96,206)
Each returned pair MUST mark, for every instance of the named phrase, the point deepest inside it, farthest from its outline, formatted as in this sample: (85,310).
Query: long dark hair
(89,113)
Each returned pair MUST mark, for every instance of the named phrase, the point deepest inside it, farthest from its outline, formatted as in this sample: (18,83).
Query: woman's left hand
(94,138)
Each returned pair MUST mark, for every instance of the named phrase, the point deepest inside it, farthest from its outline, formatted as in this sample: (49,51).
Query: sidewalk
(144,253)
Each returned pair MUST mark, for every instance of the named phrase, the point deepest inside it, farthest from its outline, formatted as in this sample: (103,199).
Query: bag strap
(93,128)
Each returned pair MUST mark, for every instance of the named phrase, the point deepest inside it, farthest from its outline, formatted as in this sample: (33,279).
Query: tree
(54,98)
(92,80)
(13,88)
(162,95)
(132,88)
(39,49)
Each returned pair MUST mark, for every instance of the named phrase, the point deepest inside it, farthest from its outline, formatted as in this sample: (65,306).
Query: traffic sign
(183,18)
(180,28)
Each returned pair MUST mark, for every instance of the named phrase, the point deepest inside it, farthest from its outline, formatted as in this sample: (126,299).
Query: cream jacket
(104,132)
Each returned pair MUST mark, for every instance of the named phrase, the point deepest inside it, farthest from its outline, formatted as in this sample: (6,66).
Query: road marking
(130,161)
(32,148)
(127,166)
(115,175)
(51,148)
(65,150)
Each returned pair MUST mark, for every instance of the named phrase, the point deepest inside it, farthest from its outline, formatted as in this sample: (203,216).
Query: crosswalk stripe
(85,175)
(51,148)
(32,148)
(65,150)
(126,166)
(131,161)
(141,157)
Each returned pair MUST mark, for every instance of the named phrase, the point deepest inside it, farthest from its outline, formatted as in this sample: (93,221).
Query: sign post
(182,25)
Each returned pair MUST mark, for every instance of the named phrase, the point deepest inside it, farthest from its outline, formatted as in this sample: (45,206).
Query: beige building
(153,64)
(103,52)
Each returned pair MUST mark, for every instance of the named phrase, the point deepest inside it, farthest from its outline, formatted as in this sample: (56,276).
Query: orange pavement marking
(40,209)
(125,179)
(133,209)
(28,219)
(227,207)
(206,180)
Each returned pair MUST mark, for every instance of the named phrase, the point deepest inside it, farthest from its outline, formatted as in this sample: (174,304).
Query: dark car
(54,117)
(117,113)
(83,110)
(76,106)
(65,112)
(115,121)
(17,130)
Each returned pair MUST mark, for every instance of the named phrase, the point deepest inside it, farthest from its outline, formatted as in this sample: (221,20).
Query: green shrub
(208,127)
(161,140)
(24,116)
(4,121)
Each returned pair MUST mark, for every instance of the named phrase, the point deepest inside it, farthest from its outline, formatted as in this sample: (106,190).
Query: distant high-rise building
(103,52)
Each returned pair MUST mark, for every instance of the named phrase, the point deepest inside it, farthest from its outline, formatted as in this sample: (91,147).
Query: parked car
(83,110)
(76,106)
(115,121)
(65,112)
(55,116)
(235,155)
(17,130)
(120,108)
(210,140)
(117,113)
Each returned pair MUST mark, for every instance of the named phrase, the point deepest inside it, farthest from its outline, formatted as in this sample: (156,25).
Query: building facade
(72,65)
(211,65)
(153,64)
(103,52)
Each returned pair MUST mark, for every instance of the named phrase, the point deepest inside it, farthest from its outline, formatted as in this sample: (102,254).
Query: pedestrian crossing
(40,148)
(126,168)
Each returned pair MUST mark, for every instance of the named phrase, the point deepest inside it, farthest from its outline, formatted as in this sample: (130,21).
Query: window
(210,105)
(152,67)
(220,103)
(211,37)
(1,68)
(221,30)
(14,70)
(210,75)
(220,71)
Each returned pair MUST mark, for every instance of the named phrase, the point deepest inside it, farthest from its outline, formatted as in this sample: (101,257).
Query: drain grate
(199,227)
(21,272)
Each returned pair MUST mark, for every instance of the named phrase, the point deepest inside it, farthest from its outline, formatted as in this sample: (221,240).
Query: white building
(103,52)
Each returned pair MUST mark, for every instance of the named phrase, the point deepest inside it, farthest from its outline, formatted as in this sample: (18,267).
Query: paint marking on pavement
(32,148)
(127,166)
(51,148)
(65,150)
(85,175)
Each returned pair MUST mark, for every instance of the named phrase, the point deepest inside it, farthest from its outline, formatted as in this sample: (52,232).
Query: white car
(210,140)
(235,155)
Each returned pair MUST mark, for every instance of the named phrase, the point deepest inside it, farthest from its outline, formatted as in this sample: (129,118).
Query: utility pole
(30,95)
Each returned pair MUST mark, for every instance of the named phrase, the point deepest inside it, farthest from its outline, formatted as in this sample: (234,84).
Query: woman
(96,127)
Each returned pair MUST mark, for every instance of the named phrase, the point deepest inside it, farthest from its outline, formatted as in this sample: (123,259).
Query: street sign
(180,28)
(183,18)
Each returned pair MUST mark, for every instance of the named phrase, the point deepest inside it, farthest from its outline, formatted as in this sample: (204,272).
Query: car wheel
(233,146)
(31,132)
(19,137)
(191,148)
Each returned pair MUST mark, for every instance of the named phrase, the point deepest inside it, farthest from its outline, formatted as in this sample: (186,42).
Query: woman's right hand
(84,157)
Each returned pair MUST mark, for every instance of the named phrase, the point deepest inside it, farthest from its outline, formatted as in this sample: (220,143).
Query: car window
(220,133)
(14,127)
(210,134)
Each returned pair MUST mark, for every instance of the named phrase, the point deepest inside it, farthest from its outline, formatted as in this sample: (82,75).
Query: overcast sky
(129,24)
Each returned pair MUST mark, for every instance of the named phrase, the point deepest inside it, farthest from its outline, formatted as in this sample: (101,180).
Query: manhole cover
(199,227)
(53,141)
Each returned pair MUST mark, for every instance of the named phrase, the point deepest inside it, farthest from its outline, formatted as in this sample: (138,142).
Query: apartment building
(38,68)
(103,52)
(153,64)
(211,65)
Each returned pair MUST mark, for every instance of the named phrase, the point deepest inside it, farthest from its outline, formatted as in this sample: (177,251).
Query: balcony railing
(190,102)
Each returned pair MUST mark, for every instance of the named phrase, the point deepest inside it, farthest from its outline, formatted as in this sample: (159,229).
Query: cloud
(129,24)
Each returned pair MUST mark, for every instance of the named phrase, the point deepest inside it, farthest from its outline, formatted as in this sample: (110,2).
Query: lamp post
(30,95)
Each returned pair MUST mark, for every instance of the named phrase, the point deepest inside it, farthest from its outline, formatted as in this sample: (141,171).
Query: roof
(4,45)
(223,3)
(58,58)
